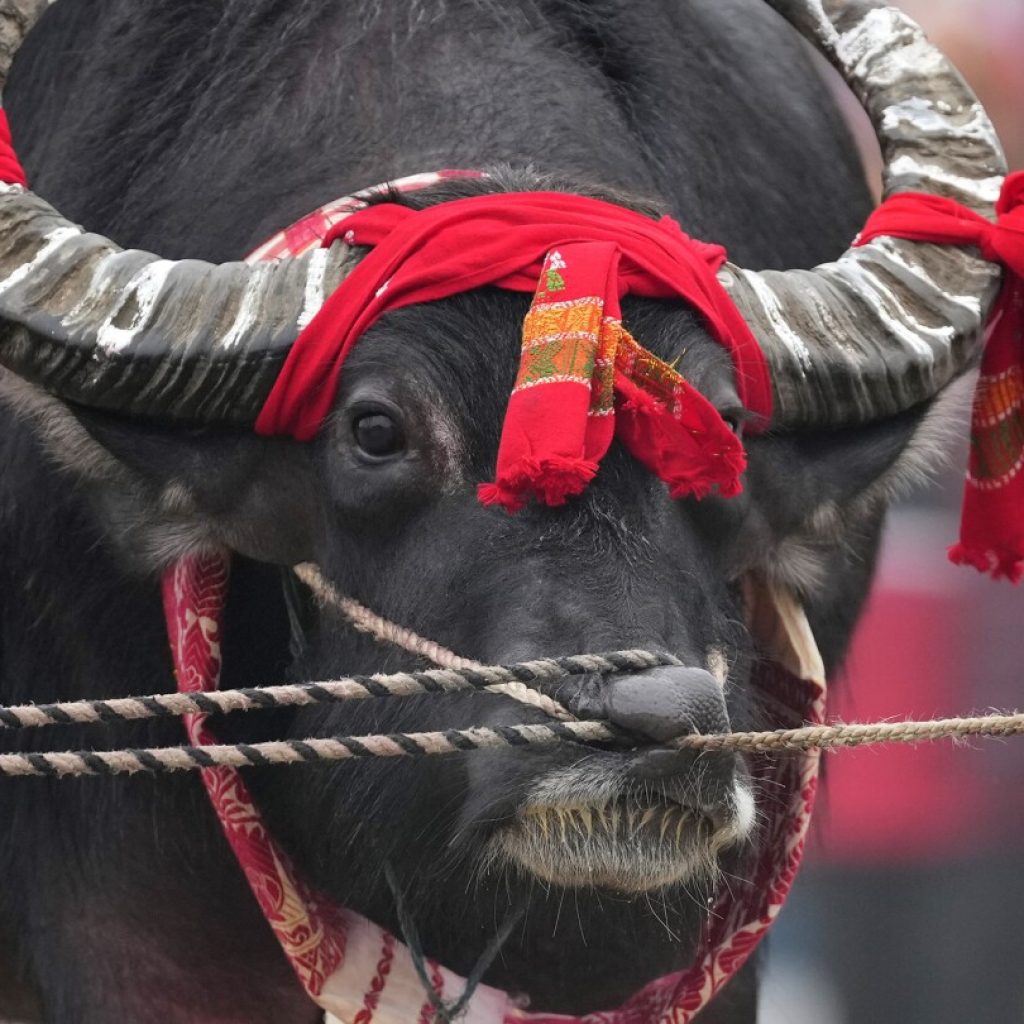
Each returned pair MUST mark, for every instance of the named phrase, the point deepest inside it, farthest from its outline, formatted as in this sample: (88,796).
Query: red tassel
(497,494)
(999,567)
(991,530)
(552,481)
(556,478)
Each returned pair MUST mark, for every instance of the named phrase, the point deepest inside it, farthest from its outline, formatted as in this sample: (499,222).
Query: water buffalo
(196,130)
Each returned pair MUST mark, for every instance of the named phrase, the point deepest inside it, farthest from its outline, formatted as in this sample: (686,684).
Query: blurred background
(909,909)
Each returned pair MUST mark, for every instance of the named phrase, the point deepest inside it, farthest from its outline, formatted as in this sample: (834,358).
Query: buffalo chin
(618,845)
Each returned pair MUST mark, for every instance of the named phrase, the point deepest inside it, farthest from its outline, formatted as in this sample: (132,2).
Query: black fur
(198,127)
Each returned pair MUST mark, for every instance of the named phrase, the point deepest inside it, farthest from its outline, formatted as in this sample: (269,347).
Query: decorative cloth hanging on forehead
(583,379)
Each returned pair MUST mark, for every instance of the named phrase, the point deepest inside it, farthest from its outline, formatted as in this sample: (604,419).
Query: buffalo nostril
(664,703)
(588,700)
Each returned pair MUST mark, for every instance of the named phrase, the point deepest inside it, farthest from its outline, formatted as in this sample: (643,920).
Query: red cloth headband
(586,254)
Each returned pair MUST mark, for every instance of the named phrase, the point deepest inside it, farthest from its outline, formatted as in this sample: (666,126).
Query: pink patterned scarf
(361,974)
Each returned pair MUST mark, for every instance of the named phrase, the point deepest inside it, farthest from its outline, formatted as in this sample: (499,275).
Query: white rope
(456,673)
(367,621)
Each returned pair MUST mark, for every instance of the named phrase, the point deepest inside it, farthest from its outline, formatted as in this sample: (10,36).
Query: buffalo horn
(890,323)
(882,329)
(127,331)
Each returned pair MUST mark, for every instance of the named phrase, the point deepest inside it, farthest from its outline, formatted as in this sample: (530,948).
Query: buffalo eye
(377,436)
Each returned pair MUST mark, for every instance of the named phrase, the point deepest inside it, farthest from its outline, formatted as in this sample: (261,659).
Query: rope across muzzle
(455,674)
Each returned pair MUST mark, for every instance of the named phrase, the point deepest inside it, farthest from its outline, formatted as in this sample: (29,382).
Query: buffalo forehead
(465,350)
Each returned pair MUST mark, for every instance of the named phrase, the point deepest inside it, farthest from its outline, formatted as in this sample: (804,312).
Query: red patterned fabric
(992,524)
(583,379)
(194,592)
(362,974)
(586,254)
(380,979)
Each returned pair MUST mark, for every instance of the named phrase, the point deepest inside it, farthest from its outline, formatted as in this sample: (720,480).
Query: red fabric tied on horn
(11,170)
(583,379)
(992,523)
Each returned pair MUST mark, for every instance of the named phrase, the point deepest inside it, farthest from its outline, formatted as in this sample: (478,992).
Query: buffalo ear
(163,492)
(815,502)
(821,490)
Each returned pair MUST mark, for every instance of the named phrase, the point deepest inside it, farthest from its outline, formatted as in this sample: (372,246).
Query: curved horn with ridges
(878,331)
(890,323)
(125,330)
(16,19)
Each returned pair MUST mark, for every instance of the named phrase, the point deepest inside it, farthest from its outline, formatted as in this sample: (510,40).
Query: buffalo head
(142,377)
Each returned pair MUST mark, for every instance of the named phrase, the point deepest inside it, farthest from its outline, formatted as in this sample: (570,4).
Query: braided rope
(367,621)
(399,684)
(859,734)
(451,741)
(456,674)
(257,755)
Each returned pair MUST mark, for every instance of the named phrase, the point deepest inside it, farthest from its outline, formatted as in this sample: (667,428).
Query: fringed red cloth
(582,378)
(992,522)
